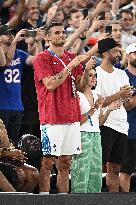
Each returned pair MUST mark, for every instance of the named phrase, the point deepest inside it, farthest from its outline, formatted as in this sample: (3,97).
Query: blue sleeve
(23,55)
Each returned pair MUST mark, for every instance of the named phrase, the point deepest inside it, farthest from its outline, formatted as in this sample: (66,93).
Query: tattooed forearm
(58,76)
(55,81)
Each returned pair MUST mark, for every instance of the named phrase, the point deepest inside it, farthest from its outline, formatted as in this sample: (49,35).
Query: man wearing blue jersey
(130,163)
(10,82)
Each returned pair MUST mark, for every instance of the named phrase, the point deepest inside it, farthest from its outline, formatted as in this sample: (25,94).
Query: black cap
(106,44)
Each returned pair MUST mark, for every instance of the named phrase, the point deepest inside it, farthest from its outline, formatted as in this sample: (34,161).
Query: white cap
(131,48)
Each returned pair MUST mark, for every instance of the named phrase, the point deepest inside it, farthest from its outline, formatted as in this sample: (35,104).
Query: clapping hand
(99,102)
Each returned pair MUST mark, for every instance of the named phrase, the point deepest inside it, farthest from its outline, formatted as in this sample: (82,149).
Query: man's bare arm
(45,6)
(8,4)
(71,39)
(53,82)
(124,93)
(2,58)
(16,19)
(12,48)
(38,49)
(81,81)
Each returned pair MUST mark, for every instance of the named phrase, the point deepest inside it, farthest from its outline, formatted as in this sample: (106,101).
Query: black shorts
(114,146)
(130,162)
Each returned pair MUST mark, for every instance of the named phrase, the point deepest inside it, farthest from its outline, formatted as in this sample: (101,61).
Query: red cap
(92,41)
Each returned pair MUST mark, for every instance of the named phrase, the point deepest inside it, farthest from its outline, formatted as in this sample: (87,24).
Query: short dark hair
(51,25)
(74,11)
(127,11)
(115,23)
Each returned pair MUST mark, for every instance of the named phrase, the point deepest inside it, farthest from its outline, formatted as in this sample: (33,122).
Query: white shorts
(61,139)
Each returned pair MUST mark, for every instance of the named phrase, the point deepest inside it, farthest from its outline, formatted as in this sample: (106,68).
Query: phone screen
(108,29)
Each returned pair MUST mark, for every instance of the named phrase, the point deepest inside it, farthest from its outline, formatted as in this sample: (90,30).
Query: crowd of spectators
(100,30)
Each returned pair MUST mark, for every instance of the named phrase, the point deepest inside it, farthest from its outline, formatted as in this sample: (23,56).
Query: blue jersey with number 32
(10,83)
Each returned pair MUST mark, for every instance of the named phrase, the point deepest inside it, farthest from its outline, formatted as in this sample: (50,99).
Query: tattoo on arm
(58,76)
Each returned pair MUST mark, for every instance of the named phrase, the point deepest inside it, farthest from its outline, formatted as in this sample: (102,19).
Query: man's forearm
(45,6)
(55,81)
(39,47)
(11,52)
(81,82)
(2,58)
(16,19)
(71,39)
(91,53)
(109,99)
(115,6)
(103,116)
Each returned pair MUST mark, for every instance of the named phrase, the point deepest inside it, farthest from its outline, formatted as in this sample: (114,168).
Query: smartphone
(30,33)
(108,29)
(85,12)
(3,29)
(102,16)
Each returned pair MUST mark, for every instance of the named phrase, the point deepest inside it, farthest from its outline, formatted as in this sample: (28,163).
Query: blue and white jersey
(10,82)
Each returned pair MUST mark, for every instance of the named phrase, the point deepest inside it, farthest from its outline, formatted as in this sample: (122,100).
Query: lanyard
(54,54)
(72,77)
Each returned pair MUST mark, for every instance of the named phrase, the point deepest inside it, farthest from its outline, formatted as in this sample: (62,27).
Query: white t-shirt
(108,84)
(127,39)
(85,107)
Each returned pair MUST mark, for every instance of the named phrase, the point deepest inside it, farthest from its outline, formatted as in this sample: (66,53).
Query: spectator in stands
(75,18)
(127,23)
(117,35)
(10,82)
(116,31)
(31,21)
(130,161)
(131,6)
(86,171)
(113,84)
(54,13)
(32,16)
(59,112)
